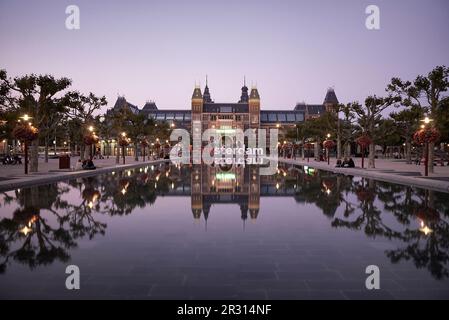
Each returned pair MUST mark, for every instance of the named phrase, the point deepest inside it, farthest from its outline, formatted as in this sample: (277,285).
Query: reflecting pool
(201,232)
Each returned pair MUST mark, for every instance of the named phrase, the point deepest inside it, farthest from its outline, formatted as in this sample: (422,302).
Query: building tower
(254,109)
(254,192)
(244,97)
(196,191)
(206,94)
(330,101)
(197,111)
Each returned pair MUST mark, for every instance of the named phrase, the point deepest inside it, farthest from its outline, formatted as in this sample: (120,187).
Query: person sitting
(351,163)
(339,164)
(88,165)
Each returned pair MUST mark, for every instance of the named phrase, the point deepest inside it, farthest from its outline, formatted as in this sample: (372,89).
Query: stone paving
(396,171)
(13,176)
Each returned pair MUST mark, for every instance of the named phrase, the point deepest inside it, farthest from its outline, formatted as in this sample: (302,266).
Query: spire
(244,97)
(206,94)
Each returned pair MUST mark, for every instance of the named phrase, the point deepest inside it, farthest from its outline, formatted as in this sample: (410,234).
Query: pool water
(202,232)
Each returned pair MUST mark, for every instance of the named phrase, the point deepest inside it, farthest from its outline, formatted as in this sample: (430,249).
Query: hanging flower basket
(365,195)
(427,214)
(90,193)
(328,144)
(308,146)
(123,142)
(426,135)
(90,139)
(144,143)
(364,141)
(25,132)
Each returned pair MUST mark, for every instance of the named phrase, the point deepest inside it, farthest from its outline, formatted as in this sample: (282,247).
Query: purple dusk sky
(293,50)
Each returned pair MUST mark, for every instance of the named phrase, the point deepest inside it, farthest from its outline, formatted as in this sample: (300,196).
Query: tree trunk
(88,152)
(82,150)
(431,156)
(303,149)
(338,148)
(46,150)
(371,156)
(136,153)
(347,150)
(34,156)
(317,150)
(338,138)
(408,151)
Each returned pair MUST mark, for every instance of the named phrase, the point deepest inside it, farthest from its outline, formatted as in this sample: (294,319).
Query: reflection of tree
(427,245)
(44,227)
(327,191)
(370,218)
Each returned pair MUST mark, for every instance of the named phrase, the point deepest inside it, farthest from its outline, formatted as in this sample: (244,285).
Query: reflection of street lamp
(425,229)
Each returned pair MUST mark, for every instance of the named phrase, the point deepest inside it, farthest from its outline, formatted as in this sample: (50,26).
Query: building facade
(245,114)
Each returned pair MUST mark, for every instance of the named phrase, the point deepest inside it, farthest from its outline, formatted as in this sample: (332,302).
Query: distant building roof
(122,103)
(331,97)
(313,109)
(149,106)
(197,93)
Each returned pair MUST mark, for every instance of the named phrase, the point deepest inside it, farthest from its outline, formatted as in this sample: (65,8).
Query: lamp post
(25,132)
(425,136)
(123,145)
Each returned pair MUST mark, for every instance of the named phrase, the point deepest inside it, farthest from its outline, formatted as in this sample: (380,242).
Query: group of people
(85,165)
(346,163)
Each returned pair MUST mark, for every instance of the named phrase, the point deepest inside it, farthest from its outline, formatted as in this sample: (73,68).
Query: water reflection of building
(212,185)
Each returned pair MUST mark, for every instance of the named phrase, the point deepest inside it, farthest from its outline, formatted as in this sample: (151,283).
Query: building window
(213,117)
(238,118)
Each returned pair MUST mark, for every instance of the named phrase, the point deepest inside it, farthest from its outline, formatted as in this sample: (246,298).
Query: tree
(427,94)
(348,128)
(407,122)
(36,96)
(81,111)
(369,117)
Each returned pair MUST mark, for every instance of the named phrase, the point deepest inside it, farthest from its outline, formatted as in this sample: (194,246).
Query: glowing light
(91,129)
(25,230)
(172,185)
(328,191)
(225,176)
(285,174)
(90,204)
(123,191)
(123,134)
(425,229)
(26,117)
(277,186)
